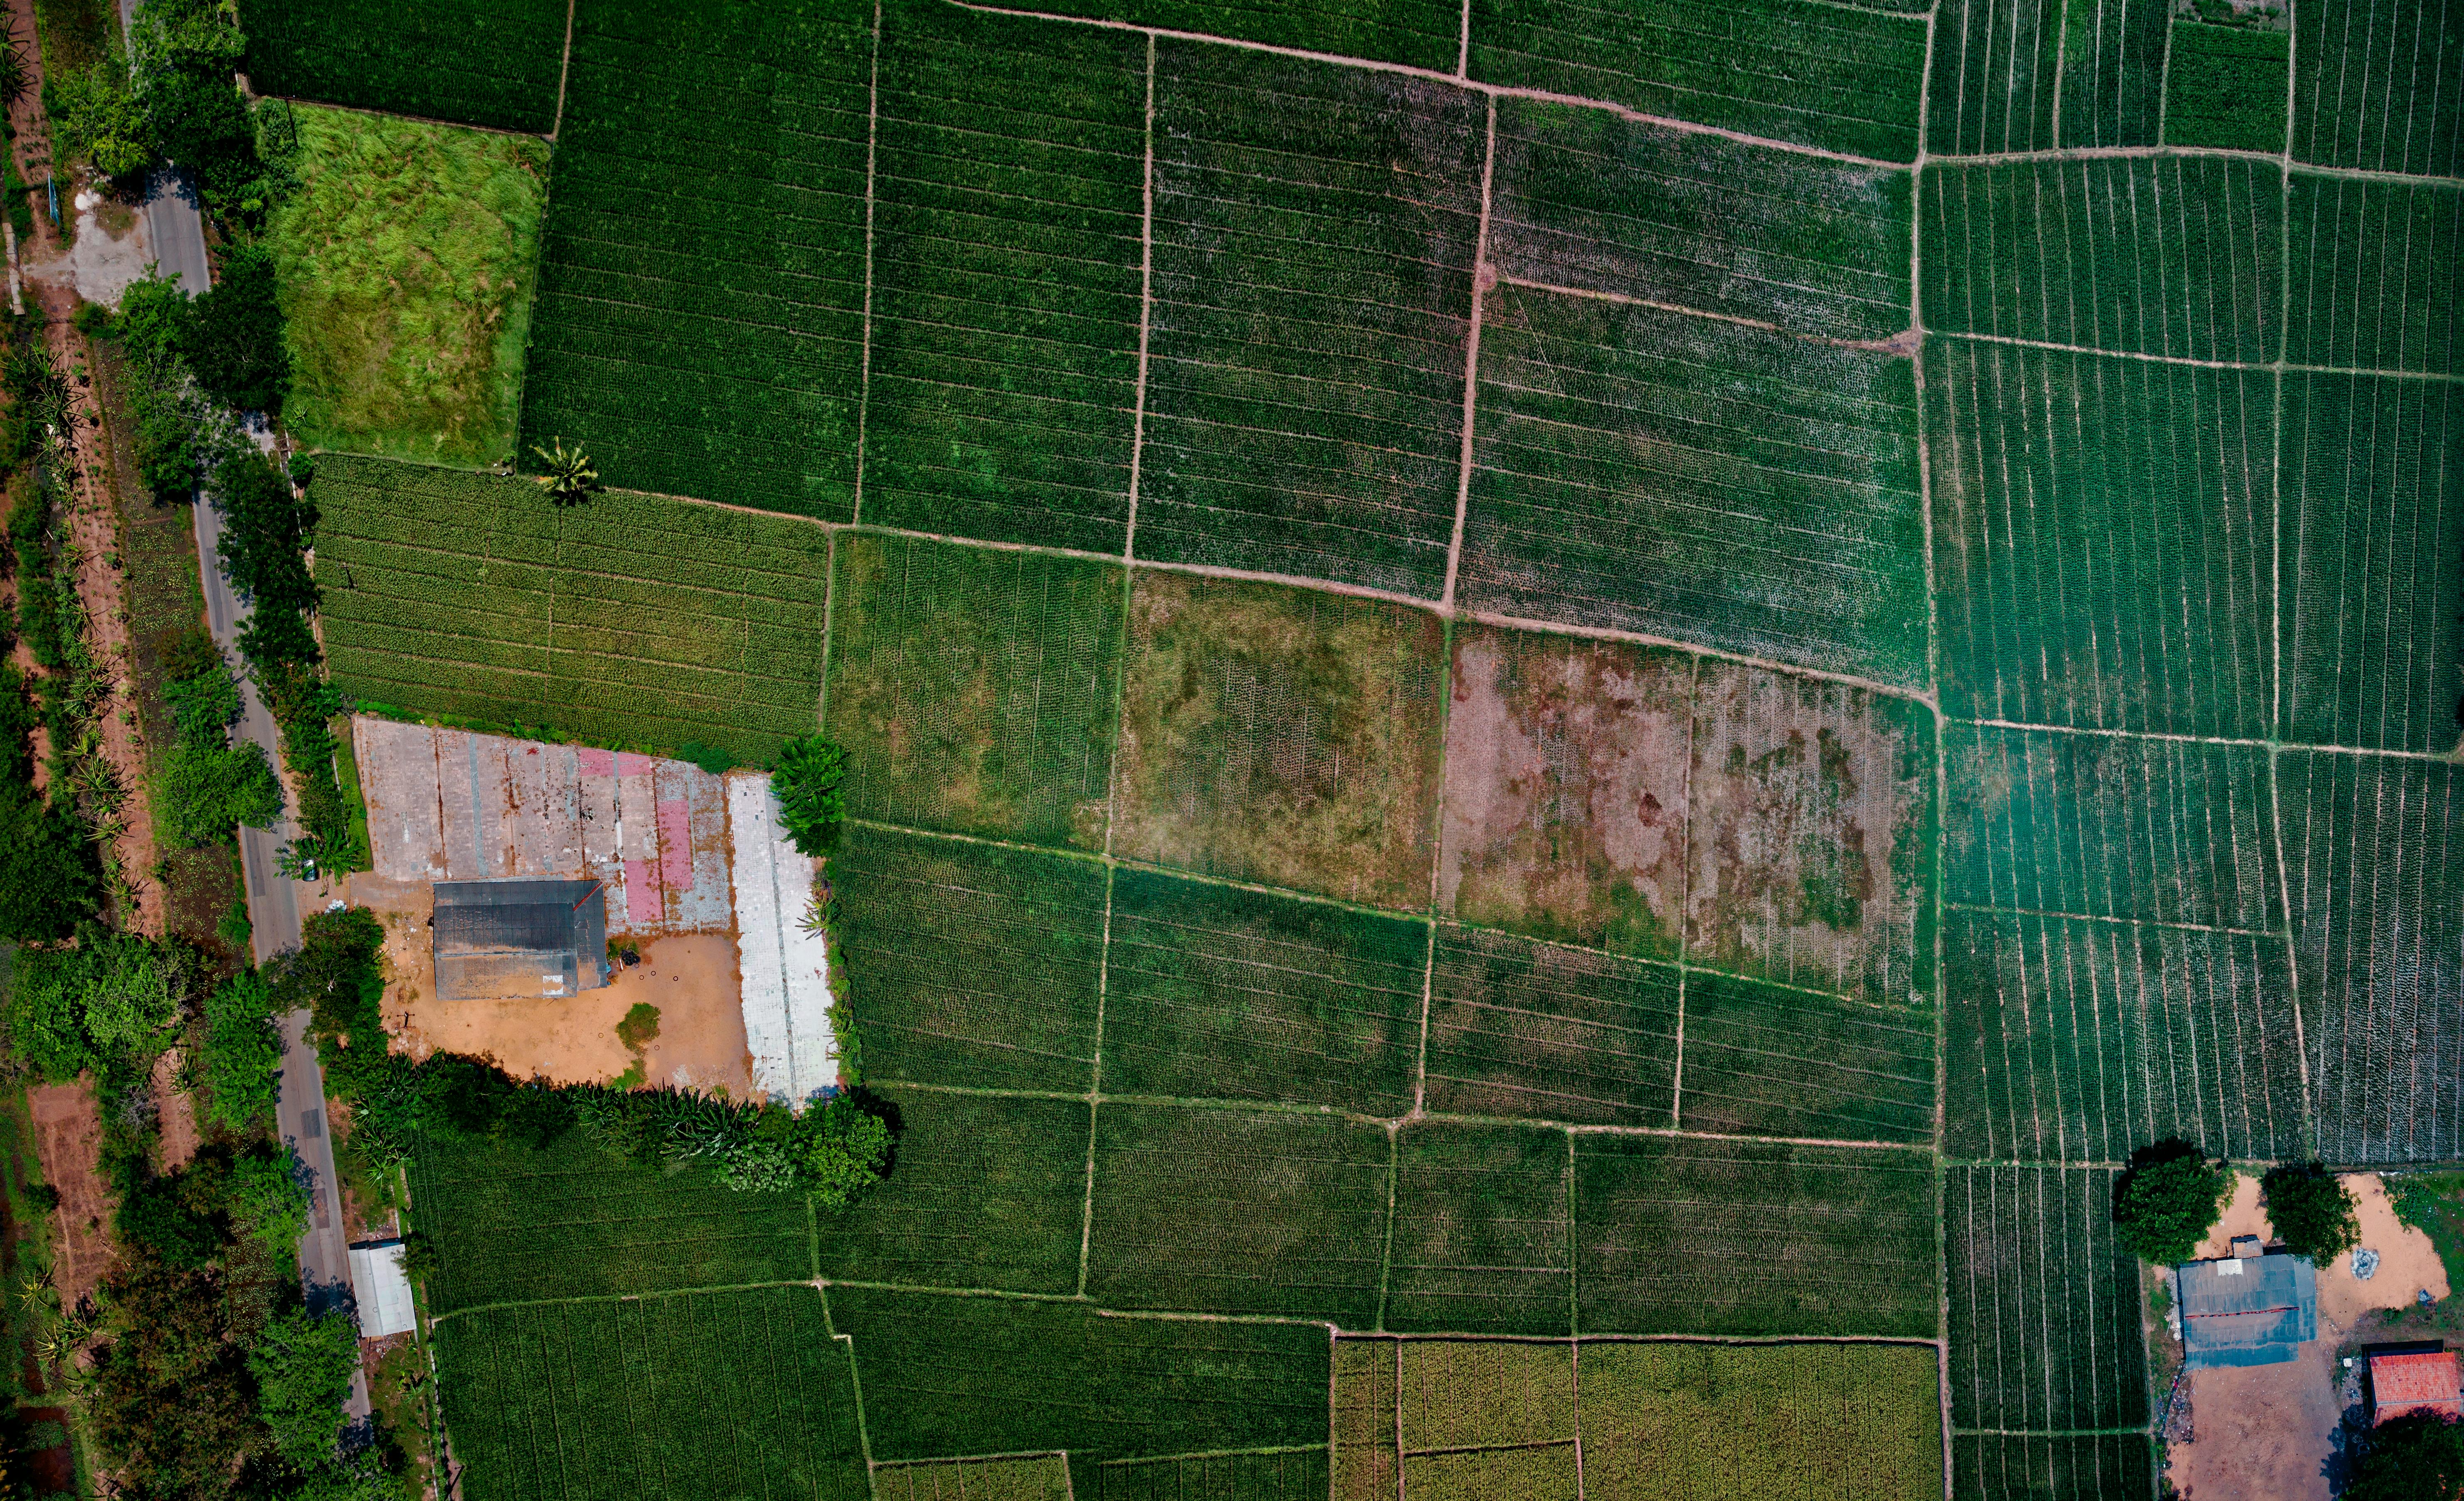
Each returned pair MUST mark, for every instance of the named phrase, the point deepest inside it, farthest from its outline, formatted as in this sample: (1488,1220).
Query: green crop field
(1221,992)
(2372,859)
(2083,1466)
(2044,1305)
(1483,1242)
(2172,255)
(1600,202)
(976,690)
(634,619)
(407,262)
(1518,1028)
(1831,76)
(515,1223)
(1841,1239)
(989,1193)
(739,1393)
(979,965)
(2033,74)
(700,318)
(1236,1211)
(1281,736)
(2078,500)
(479,63)
(1527,686)
(2074,1039)
(1006,296)
(2224,87)
(1696,481)
(2376,287)
(1313,237)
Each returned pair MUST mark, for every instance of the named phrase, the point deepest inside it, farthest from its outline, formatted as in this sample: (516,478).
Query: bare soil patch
(1565,802)
(691,977)
(178,1113)
(1283,736)
(68,1133)
(2273,1432)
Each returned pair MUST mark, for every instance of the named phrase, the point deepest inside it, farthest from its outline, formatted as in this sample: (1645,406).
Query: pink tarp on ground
(629,764)
(596,762)
(643,906)
(675,843)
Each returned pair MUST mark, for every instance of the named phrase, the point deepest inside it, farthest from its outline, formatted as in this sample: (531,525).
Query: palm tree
(570,475)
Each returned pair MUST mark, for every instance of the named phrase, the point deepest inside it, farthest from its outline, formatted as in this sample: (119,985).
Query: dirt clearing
(68,1132)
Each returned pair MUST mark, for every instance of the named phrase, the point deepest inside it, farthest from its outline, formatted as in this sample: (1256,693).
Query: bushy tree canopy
(807,787)
(2417,1457)
(2169,1200)
(2313,1214)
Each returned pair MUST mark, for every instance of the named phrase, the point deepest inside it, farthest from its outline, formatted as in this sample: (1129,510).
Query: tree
(810,801)
(569,476)
(2417,1457)
(2313,1213)
(2169,1200)
(304,1366)
(242,1052)
(233,343)
(48,876)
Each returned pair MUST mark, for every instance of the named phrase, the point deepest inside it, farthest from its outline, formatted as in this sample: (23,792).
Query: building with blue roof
(2246,1309)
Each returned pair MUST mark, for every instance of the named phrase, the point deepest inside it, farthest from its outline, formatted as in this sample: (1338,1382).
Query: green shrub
(268,1202)
(206,786)
(302,1365)
(2417,1457)
(2313,1214)
(2169,1200)
(811,801)
(242,1052)
(112,997)
(235,344)
(96,118)
(49,877)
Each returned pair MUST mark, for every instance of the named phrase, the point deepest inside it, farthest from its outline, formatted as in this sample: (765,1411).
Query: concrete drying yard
(690,860)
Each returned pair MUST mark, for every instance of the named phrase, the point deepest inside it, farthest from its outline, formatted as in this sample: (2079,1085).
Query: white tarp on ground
(786,969)
(383,1292)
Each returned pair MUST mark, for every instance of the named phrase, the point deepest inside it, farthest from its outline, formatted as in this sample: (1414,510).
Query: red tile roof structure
(2402,1384)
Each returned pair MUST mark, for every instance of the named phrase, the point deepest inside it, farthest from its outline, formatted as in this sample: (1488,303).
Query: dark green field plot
(1282,736)
(987,1192)
(2104,539)
(699,326)
(572,1219)
(2072,1039)
(1565,777)
(2374,86)
(2084,1466)
(2106,825)
(1482,1243)
(956,1375)
(481,62)
(633,620)
(1238,1211)
(1421,33)
(2376,286)
(970,964)
(1008,186)
(2374,853)
(699,1394)
(1518,1028)
(1220,992)
(2006,75)
(1313,240)
(976,689)
(1680,1235)
(1812,832)
(2044,1303)
(1697,480)
(2169,256)
(1455,1393)
(1787,1422)
(1283,1475)
(1590,199)
(2224,87)
(2373,561)
(1790,70)
(1771,1061)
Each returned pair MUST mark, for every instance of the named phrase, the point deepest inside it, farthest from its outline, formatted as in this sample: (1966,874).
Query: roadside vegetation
(2169,1200)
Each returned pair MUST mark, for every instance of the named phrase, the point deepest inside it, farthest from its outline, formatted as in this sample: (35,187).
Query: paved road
(273,916)
(175,230)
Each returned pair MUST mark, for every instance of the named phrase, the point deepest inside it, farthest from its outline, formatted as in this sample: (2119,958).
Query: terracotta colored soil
(179,1114)
(68,1131)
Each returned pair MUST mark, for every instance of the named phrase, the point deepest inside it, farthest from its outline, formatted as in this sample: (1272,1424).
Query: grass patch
(405,264)
(1281,736)
(77,33)
(2433,1203)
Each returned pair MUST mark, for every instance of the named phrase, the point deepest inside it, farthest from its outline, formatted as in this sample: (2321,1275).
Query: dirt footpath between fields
(2273,1432)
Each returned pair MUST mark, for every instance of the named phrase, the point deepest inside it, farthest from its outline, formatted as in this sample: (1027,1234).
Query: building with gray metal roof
(525,937)
(2248,1310)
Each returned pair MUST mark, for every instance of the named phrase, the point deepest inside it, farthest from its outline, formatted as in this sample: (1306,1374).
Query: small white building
(384,1289)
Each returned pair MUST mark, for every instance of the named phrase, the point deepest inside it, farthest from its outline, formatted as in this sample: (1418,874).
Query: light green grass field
(406,263)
